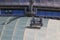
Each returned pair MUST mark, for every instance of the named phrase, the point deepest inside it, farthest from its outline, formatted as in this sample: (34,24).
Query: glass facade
(48,14)
(13,12)
(37,12)
(13,30)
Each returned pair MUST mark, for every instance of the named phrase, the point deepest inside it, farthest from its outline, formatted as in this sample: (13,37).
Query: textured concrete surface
(36,34)
(51,31)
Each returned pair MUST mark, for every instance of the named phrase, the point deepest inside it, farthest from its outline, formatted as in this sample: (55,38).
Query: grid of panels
(8,32)
(13,30)
(19,31)
(2,20)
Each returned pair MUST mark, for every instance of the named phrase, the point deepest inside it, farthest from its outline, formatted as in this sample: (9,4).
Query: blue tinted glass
(49,14)
(40,13)
(57,14)
(18,12)
(13,12)
(54,13)
(2,12)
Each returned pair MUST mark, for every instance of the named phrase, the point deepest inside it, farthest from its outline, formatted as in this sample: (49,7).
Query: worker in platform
(41,24)
(36,21)
(32,22)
